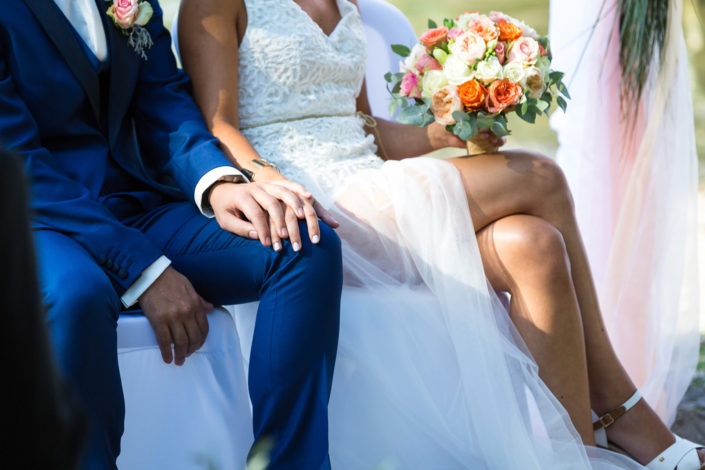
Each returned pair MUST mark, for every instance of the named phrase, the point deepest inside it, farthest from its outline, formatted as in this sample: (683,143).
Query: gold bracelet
(371,122)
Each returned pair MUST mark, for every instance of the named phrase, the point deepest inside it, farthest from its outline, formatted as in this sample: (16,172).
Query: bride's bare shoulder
(217,16)
(206,8)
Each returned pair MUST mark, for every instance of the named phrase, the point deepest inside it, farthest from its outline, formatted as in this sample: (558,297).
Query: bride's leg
(526,256)
(499,185)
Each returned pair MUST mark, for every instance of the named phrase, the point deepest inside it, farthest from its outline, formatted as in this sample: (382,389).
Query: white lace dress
(431,373)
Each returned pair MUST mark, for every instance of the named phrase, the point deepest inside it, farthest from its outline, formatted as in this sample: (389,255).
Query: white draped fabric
(635,194)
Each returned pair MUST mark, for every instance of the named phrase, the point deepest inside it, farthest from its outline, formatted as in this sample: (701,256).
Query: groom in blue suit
(124,178)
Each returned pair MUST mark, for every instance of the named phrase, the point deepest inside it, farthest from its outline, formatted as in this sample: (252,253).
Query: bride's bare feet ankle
(641,433)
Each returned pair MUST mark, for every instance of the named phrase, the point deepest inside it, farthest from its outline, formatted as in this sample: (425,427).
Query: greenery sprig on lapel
(130,16)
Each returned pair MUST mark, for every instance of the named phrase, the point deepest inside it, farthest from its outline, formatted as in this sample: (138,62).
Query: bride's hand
(441,138)
(312,209)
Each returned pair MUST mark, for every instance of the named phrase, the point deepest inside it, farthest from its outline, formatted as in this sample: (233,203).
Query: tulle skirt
(431,373)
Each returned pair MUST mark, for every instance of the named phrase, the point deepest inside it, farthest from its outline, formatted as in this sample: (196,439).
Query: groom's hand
(177,315)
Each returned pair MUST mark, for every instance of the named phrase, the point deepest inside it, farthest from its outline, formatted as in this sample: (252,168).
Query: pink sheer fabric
(635,188)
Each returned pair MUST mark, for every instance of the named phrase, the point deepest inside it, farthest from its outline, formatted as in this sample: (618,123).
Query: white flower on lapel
(131,16)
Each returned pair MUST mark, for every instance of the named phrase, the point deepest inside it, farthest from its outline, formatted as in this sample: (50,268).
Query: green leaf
(432,24)
(413,115)
(544,42)
(449,23)
(460,116)
(401,50)
(561,103)
(485,122)
(529,116)
(388,77)
(499,130)
(564,90)
(542,106)
(524,107)
(556,76)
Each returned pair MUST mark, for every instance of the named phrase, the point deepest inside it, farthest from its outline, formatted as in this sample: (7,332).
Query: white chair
(385,25)
(198,415)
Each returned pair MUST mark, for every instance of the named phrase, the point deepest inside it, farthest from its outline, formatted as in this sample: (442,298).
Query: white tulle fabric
(431,373)
(635,194)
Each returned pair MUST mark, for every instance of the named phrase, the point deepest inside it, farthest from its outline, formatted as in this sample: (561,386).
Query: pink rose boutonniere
(131,16)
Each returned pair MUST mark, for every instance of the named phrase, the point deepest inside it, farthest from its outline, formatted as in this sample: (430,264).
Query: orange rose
(485,28)
(434,37)
(501,94)
(473,95)
(508,31)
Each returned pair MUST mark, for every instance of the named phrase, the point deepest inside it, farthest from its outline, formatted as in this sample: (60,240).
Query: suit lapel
(62,35)
(124,65)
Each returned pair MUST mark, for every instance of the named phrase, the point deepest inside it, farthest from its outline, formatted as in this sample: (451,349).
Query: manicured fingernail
(315,239)
(296,246)
(283,232)
(253,234)
(300,212)
(277,246)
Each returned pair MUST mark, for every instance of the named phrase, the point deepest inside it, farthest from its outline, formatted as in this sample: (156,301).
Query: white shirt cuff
(146,279)
(207,180)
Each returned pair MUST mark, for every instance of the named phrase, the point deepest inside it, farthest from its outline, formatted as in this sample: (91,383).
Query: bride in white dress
(433,370)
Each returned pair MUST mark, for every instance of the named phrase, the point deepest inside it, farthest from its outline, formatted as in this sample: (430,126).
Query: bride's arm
(210,33)
(397,141)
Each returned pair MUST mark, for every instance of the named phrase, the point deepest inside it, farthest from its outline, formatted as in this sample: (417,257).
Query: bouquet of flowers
(470,72)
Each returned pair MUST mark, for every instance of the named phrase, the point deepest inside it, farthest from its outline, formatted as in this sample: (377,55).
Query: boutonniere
(130,16)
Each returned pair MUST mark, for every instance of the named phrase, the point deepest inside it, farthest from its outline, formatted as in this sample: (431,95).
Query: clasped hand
(268,211)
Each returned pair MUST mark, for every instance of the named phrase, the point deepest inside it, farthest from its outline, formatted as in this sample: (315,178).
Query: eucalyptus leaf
(401,50)
(460,116)
(542,106)
(413,115)
(388,77)
(564,90)
(499,130)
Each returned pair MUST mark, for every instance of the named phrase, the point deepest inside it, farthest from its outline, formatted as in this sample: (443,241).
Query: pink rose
(426,63)
(443,103)
(454,33)
(469,47)
(542,51)
(500,51)
(497,16)
(434,37)
(524,50)
(485,27)
(410,86)
(124,12)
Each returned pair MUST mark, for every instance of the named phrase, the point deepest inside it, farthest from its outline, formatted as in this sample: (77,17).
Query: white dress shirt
(85,18)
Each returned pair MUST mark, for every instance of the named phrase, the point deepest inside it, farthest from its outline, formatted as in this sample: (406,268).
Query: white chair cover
(635,199)
(385,24)
(183,418)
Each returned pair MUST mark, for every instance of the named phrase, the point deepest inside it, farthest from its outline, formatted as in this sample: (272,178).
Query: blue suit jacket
(98,154)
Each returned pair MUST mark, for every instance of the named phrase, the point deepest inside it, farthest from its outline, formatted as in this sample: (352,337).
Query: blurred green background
(535,12)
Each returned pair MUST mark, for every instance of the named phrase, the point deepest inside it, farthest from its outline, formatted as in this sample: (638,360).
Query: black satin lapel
(124,65)
(59,30)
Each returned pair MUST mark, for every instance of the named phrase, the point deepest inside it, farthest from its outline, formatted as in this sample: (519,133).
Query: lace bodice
(297,93)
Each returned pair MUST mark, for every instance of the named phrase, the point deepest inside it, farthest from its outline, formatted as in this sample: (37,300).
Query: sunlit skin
(522,212)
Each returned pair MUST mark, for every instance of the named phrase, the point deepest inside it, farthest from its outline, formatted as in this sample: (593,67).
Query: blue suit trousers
(295,339)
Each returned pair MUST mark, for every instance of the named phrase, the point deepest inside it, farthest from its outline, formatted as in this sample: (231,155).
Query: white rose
(456,71)
(409,64)
(489,70)
(433,80)
(533,81)
(464,20)
(514,71)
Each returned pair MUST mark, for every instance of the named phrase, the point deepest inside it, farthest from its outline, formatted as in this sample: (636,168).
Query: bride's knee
(531,247)
(548,180)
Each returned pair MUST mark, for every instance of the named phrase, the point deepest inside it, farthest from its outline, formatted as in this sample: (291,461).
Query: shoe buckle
(606,420)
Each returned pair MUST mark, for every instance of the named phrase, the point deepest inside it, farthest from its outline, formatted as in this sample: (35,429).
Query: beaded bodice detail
(298,89)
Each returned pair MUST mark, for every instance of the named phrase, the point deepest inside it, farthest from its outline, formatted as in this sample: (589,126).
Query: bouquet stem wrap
(480,147)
